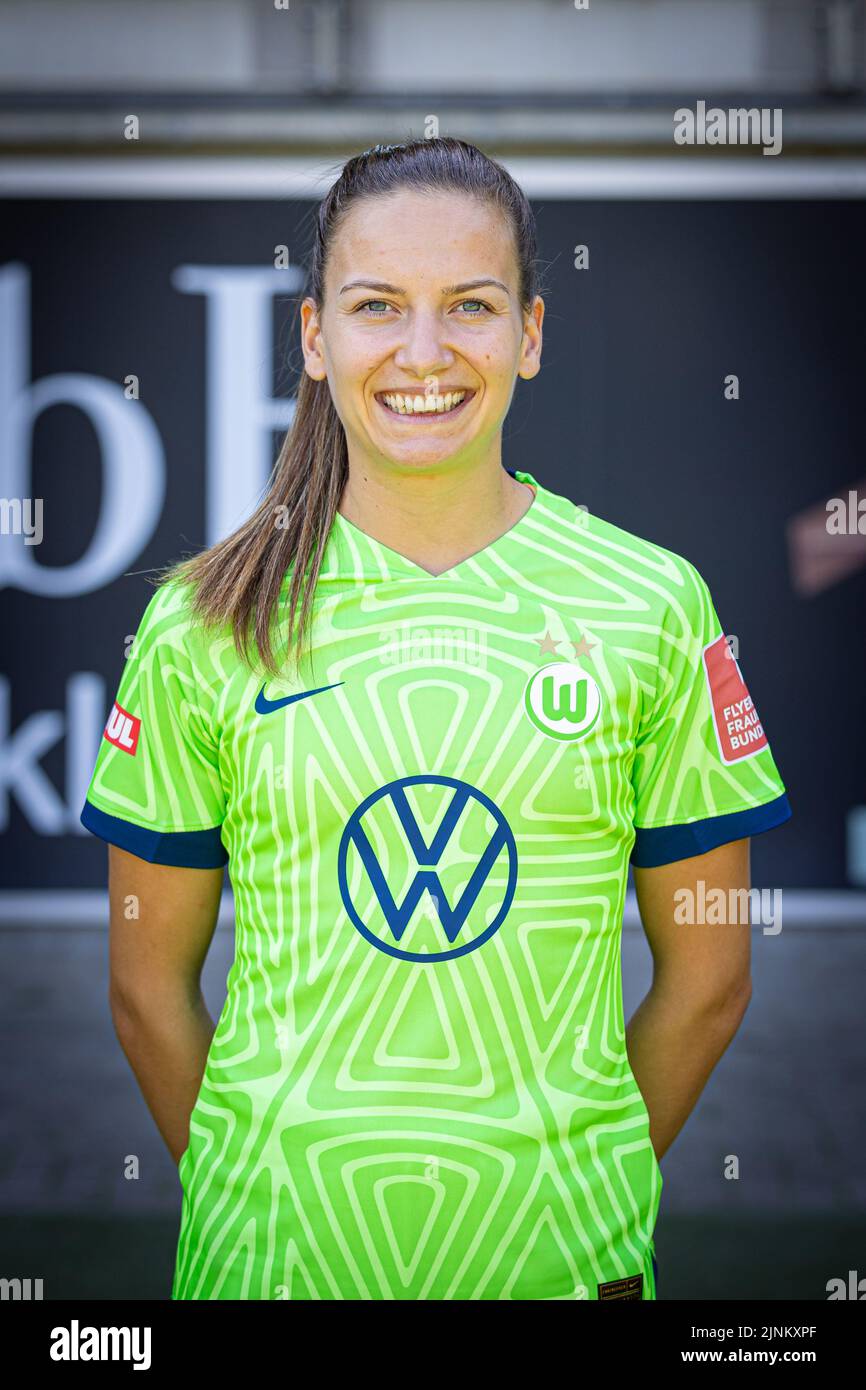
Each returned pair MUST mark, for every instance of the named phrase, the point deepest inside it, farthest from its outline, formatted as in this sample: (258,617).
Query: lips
(417,405)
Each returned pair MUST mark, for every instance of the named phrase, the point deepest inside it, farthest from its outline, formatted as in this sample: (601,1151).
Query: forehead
(413,236)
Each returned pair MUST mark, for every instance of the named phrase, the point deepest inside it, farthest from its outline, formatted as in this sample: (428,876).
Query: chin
(418,454)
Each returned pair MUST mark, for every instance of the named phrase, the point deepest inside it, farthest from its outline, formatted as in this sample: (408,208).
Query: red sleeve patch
(122,729)
(739,731)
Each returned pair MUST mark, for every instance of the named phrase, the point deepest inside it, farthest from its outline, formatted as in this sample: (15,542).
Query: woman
(421,1086)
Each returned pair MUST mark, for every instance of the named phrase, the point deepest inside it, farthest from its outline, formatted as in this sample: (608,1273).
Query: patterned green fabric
(419,1087)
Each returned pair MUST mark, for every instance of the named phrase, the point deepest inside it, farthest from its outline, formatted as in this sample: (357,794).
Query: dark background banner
(628,417)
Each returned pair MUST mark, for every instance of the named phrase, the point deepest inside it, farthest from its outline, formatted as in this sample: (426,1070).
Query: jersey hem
(182,849)
(665,844)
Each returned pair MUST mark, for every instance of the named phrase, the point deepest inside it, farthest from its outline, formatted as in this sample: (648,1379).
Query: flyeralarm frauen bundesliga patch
(418,1087)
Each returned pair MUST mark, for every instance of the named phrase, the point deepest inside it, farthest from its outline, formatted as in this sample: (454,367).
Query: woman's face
(420,308)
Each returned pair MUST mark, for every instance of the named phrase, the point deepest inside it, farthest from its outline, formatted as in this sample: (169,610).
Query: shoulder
(171,621)
(648,578)
(168,612)
(665,578)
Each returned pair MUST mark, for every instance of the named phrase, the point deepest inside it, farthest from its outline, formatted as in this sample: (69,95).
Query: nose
(423,350)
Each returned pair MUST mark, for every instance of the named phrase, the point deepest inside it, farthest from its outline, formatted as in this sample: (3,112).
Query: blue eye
(376,308)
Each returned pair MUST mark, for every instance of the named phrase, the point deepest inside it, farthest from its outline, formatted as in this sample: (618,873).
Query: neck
(435,520)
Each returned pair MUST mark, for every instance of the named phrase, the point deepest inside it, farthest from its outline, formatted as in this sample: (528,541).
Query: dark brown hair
(238,581)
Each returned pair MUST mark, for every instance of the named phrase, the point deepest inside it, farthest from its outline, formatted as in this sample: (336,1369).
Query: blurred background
(702,386)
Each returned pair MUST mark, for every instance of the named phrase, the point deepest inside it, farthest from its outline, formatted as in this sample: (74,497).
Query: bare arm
(700,991)
(155,963)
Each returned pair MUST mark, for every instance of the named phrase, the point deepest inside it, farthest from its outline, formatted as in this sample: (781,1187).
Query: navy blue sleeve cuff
(667,843)
(183,849)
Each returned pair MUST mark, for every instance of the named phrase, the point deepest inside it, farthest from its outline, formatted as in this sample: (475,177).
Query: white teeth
(424,405)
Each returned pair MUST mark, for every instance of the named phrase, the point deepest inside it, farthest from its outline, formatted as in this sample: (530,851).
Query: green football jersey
(418,1087)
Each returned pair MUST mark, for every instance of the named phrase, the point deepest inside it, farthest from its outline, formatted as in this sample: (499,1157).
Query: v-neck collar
(363,552)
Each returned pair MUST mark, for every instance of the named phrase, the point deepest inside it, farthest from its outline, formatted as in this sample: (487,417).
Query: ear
(311,341)
(530,348)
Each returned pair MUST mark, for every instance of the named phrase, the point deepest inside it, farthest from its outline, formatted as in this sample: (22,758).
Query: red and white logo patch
(739,731)
(122,729)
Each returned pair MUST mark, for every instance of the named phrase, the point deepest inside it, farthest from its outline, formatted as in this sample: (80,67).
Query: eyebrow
(385,288)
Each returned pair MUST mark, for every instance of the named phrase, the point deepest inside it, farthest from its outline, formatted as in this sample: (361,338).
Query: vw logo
(463,863)
(562,700)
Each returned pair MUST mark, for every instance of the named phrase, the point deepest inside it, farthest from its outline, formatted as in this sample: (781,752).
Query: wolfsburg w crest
(562,700)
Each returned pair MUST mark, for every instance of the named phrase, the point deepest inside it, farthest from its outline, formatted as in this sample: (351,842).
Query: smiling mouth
(417,406)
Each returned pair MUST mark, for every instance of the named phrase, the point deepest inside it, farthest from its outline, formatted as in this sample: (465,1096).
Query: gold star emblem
(546,644)
(582,648)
